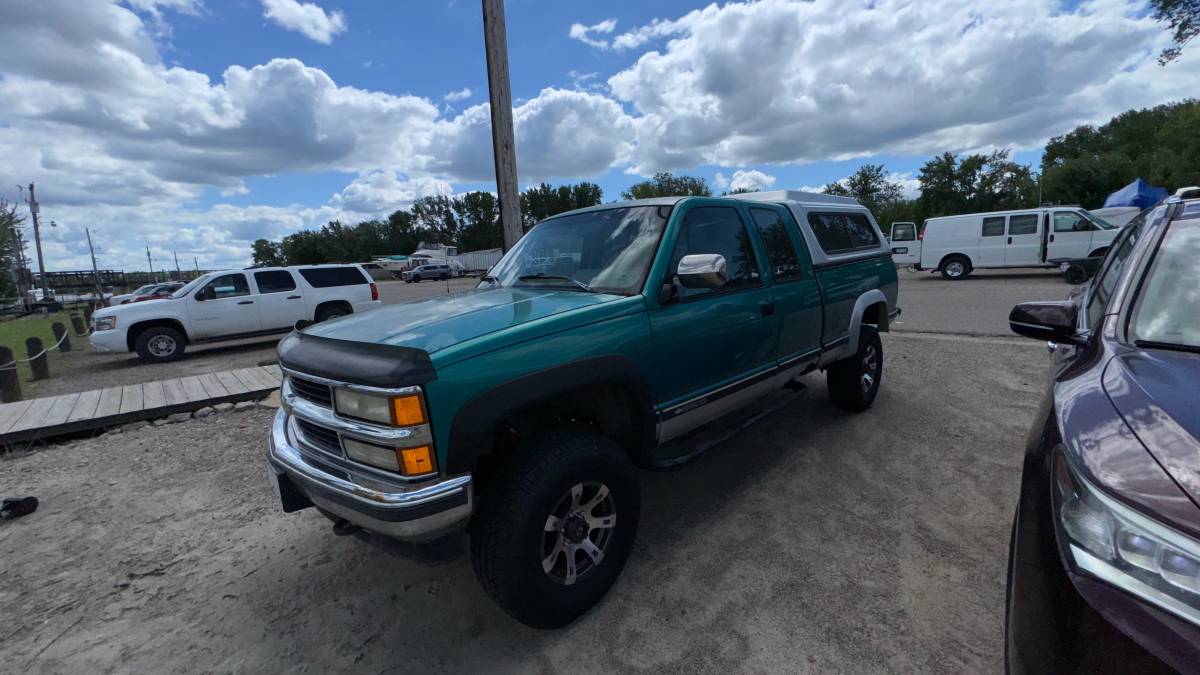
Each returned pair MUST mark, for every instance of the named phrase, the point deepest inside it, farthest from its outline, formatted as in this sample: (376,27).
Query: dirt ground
(815,541)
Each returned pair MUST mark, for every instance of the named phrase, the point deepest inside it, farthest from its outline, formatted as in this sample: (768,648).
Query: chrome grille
(320,437)
(316,392)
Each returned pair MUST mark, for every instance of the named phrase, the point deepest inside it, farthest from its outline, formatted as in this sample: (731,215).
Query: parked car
(520,409)
(157,292)
(233,304)
(1104,560)
(125,298)
(424,272)
(957,245)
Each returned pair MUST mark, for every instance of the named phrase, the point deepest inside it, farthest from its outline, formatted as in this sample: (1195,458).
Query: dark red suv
(1104,562)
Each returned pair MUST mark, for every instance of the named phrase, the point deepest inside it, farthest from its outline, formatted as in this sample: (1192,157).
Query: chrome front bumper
(408,512)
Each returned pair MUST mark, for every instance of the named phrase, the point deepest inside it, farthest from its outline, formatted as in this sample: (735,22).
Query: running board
(676,453)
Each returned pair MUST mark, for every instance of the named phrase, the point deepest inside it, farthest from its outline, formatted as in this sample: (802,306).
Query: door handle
(293,297)
(1051,238)
(767,308)
(246,302)
(1010,240)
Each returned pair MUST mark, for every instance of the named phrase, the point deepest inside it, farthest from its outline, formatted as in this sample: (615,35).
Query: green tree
(267,253)
(9,253)
(1183,19)
(952,185)
(544,200)
(667,184)
(478,214)
(1160,144)
(870,186)
(435,220)
(304,248)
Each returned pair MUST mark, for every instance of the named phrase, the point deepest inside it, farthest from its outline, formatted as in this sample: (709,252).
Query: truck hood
(1155,392)
(435,323)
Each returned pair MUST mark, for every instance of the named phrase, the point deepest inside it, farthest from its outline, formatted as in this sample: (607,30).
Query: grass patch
(14,332)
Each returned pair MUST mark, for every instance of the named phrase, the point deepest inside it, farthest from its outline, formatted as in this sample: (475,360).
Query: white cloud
(586,34)
(305,17)
(382,191)
(742,179)
(782,82)
(460,95)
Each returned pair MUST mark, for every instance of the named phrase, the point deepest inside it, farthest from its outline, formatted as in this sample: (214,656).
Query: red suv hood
(1157,392)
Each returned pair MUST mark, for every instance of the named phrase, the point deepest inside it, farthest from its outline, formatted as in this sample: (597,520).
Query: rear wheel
(1075,275)
(854,382)
(159,344)
(332,312)
(556,528)
(955,267)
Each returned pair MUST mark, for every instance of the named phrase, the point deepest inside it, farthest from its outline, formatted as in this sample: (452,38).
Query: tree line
(1160,144)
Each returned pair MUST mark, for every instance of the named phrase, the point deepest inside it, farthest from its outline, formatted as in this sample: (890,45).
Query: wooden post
(87,313)
(10,384)
(38,362)
(504,151)
(60,336)
(78,324)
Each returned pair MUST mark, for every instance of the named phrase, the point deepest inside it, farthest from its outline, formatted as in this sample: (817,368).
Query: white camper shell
(1042,237)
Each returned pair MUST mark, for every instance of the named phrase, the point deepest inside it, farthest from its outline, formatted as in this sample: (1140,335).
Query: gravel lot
(816,541)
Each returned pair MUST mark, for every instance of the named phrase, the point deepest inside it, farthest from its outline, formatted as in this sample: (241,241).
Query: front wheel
(159,344)
(556,528)
(854,382)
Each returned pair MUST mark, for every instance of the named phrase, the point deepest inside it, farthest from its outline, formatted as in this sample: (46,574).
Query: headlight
(1125,548)
(106,322)
(405,410)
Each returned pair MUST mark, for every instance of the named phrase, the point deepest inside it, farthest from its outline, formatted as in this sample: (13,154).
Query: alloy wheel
(870,364)
(577,532)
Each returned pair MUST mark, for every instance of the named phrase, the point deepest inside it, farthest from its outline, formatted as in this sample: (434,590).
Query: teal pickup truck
(519,411)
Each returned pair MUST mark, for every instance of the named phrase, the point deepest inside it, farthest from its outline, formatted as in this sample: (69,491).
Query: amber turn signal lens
(407,411)
(416,461)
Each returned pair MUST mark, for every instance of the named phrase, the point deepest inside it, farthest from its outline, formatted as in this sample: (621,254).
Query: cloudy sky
(198,126)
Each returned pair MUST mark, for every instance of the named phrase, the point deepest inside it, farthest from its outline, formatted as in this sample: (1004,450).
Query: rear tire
(854,382)
(955,267)
(1075,275)
(553,507)
(160,344)
(327,313)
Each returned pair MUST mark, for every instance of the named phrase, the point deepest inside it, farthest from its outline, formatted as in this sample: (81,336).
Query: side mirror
(1053,321)
(703,270)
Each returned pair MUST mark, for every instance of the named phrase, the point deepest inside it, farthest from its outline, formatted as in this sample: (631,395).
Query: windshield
(188,287)
(1168,311)
(1098,221)
(607,251)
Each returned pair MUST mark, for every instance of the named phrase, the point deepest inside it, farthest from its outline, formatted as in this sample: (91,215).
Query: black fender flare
(471,430)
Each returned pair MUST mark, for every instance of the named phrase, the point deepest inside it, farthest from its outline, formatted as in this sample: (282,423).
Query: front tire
(556,528)
(159,344)
(327,313)
(854,382)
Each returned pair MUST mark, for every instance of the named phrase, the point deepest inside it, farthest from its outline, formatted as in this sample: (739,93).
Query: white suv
(233,304)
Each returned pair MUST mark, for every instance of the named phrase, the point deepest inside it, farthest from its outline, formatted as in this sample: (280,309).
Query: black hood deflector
(371,364)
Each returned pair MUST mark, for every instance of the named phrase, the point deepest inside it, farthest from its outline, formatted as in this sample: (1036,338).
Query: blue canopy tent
(1139,193)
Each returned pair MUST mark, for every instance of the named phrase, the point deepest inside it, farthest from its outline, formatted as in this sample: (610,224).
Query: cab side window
(993,226)
(1114,263)
(1025,223)
(1065,221)
(720,230)
(781,249)
(227,286)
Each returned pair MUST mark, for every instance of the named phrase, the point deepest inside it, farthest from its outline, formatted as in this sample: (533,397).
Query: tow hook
(344,528)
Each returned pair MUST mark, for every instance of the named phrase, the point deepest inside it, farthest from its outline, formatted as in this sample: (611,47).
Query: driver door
(1070,236)
(224,306)
(713,347)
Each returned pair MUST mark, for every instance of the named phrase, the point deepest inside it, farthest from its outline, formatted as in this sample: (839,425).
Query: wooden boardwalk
(43,418)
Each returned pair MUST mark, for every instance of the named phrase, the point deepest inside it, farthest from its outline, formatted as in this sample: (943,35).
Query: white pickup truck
(233,304)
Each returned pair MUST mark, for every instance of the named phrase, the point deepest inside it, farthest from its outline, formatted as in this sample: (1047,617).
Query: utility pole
(37,240)
(22,265)
(95,271)
(178,274)
(197,261)
(151,263)
(504,151)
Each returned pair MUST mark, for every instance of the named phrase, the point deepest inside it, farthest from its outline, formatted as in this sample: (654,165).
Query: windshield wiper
(1153,344)
(540,275)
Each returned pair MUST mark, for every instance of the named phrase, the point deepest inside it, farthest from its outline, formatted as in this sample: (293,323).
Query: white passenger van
(956,245)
